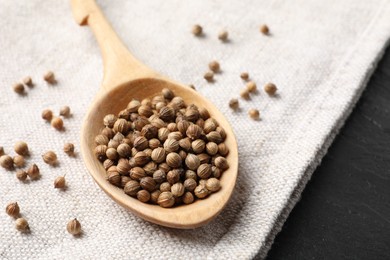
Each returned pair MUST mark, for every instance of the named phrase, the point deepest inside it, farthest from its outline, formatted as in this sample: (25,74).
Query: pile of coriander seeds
(162,151)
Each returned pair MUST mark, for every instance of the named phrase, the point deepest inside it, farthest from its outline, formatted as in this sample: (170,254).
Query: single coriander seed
(18,88)
(245,94)
(143,196)
(254,114)
(65,111)
(201,192)
(214,66)
(50,157)
(209,76)
(49,77)
(21,175)
(21,224)
(270,89)
(233,103)
(244,76)
(57,123)
(74,227)
(251,86)
(213,184)
(19,161)
(264,29)
(69,149)
(28,81)
(6,162)
(33,172)
(13,209)
(59,182)
(197,30)
(21,148)
(188,198)
(47,114)
(166,199)
(223,35)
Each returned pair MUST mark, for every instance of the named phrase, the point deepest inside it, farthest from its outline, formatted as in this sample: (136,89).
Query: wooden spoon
(126,78)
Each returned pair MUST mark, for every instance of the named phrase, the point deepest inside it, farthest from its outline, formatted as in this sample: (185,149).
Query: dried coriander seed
(270,89)
(49,77)
(244,94)
(264,29)
(13,209)
(197,30)
(209,76)
(188,198)
(171,145)
(204,171)
(18,88)
(201,192)
(214,66)
(165,186)
(177,189)
(198,146)
(47,114)
(221,163)
(28,81)
(21,175)
(190,184)
(1,151)
(233,103)
(158,155)
(154,196)
(19,161)
(137,173)
(213,184)
(166,199)
(69,149)
(33,172)
(167,93)
(143,196)
(223,35)
(74,227)
(211,148)
(57,123)
(254,114)
(173,176)
(251,86)
(244,76)
(132,187)
(173,160)
(65,111)
(50,157)
(59,182)
(21,224)
(223,149)
(21,148)
(109,120)
(159,176)
(148,183)
(6,162)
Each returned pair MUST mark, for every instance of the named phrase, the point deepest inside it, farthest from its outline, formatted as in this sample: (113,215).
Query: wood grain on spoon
(126,78)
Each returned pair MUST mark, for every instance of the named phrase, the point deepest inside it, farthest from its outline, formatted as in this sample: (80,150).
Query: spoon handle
(120,66)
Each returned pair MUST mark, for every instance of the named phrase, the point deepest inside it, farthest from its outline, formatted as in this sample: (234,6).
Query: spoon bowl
(126,78)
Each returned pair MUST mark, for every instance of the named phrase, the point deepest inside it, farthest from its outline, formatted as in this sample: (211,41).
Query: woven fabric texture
(319,54)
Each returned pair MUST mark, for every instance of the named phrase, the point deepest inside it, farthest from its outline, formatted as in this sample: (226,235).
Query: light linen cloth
(319,54)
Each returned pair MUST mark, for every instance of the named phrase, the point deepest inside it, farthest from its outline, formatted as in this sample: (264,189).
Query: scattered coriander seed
(197,30)
(254,114)
(188,198)
(49,77)
(33,172)
(192,86)
(28,81)
(69,149)
(209,76)
(264,29)
(74,227)
(50,157)
(21,175)
(245,94)
(21,224)
(6,162)
(223,35)
(214,66)
(57,123)
(21,148)
(13,209)
(65,111)
(251,86)
(59,182)
(270,89)
(47,114)
(166,199)
(213,184)
(233,103)
(18,88)
(1,151)
(19,161)
(244,76)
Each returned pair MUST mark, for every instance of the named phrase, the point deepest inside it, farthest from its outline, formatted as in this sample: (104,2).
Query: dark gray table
(344,212)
